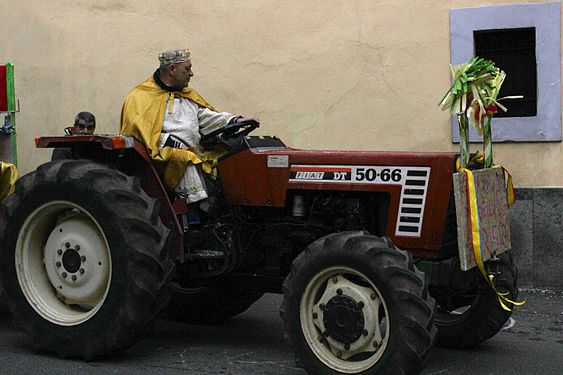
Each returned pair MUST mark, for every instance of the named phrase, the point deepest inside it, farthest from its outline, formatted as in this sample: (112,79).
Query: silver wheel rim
(63,263)
(348,286)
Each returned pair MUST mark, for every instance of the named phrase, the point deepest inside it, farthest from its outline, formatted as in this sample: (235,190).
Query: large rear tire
(83,260)
(4,309)
(353,303)
(478,316)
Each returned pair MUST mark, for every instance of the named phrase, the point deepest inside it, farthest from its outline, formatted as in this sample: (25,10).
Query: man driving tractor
(166,115)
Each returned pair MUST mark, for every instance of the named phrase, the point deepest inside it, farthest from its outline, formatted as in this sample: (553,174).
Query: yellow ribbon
(477,160)
(170,103)
(511,197)
(474,226)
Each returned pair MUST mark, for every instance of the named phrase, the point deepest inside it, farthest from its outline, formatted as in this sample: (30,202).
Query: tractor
(362,245)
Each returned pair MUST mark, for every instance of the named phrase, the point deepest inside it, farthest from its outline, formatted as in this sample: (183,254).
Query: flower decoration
(473,97)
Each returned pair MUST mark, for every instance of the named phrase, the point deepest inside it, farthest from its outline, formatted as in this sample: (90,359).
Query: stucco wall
(337,74)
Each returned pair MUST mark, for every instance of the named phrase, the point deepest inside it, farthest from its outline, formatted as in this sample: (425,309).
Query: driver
(166,116)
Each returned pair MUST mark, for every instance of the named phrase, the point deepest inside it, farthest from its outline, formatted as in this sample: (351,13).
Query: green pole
(463,139)
(487,143)
(11,96)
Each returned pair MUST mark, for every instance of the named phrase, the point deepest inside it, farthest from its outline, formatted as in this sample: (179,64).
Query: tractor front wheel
(353,303)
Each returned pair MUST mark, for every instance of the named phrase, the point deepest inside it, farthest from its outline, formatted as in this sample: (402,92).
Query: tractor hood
(419,184)
(262,176)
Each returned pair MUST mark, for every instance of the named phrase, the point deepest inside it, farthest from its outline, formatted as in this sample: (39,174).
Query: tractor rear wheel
(353,303)
(475,318)
(4,310)
(83,260)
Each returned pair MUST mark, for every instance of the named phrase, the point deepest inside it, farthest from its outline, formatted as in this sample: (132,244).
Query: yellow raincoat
(142,116)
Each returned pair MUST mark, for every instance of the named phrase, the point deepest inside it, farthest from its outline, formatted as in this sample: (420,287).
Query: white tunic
(184,123)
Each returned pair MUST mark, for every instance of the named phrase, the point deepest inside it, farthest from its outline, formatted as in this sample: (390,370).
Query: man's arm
(208,117)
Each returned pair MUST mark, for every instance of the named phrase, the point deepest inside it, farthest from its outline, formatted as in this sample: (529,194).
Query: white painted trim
(546,18)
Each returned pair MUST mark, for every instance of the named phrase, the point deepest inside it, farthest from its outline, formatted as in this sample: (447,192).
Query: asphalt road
(253,343)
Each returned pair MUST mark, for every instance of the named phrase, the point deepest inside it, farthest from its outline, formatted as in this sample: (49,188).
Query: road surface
(253,343)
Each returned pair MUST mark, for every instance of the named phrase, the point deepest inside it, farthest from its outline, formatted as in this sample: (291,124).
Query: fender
(130,157)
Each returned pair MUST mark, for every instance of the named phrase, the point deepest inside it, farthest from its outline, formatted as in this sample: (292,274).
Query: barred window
(525,41)
(514,51)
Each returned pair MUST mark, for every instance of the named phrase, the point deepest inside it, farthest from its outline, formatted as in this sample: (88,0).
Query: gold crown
(174,56)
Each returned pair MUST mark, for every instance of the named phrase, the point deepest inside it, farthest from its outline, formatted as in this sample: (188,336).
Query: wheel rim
(453,315)
(63,263)
(344,320)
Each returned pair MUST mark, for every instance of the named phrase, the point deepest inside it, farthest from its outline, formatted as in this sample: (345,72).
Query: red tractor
(363,246)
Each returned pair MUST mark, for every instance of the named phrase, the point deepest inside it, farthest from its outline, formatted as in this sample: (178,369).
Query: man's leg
(192,186)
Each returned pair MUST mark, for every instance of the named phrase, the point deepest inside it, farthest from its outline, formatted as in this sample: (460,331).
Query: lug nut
(361,304)
(67,245)
(365,332)
(335,279)
(64,275)
(321,339)
(322,306)
(73,277)
(339,354)
(347,346)
(339,292)
(81,270)
(59,251)
(375,345)
(83,258)
(77,247)
(58,264)
(315,315)
(372,296)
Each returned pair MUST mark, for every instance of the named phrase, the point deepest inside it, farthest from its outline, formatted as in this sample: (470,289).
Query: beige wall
(332,74)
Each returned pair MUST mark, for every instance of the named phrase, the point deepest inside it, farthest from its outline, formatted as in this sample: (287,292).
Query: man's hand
(242,118)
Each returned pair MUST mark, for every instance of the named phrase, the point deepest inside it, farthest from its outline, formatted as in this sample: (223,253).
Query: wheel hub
(71,260)
(77,262)
(344,319)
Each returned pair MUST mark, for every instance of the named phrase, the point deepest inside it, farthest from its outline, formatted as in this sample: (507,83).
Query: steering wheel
(231,131)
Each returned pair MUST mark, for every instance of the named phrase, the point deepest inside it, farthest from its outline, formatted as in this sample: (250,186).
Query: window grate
(514,51)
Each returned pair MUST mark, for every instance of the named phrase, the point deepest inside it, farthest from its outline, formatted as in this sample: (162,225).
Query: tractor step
(207,254)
